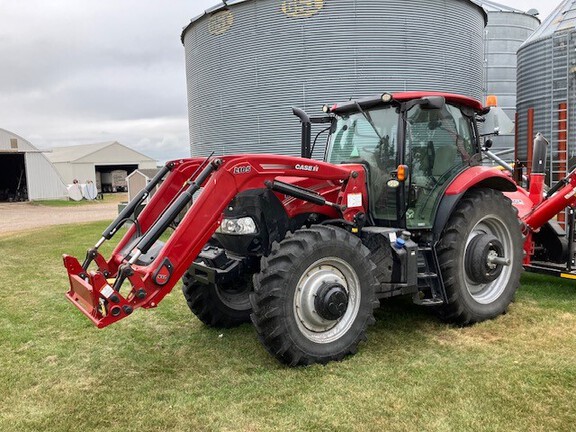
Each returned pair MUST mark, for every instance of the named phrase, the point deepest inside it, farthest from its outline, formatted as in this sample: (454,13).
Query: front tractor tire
(220,306)
(314,296)
(480,256)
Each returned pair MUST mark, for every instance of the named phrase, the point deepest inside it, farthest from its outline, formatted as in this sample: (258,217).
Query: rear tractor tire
(480,255)
(314,296)
(221,306)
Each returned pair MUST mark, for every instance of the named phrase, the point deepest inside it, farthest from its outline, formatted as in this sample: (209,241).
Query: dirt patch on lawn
(18,217)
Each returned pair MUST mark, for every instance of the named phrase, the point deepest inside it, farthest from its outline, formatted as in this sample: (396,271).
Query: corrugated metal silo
(507,30)
(546,89)
(249,61)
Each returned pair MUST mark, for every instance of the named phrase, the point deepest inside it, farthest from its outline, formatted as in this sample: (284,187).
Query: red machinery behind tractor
(402,205)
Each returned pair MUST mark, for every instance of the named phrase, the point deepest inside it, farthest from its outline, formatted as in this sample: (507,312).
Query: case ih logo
(162,275)
(302,8)
(242,169)
(312,168)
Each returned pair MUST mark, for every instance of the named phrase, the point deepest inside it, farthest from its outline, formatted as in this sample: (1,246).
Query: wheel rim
(329,270)
(236,299)
(486,293)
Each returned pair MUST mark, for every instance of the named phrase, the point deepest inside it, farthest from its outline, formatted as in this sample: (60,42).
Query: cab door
(439,145)
(372,138)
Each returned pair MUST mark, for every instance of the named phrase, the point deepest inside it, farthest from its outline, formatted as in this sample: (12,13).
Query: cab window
(438,147)
(356,140)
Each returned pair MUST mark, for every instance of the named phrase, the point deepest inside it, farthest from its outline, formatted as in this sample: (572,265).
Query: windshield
(355,139)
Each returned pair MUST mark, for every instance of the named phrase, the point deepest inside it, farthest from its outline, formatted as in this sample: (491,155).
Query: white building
(25,172)
(88,162)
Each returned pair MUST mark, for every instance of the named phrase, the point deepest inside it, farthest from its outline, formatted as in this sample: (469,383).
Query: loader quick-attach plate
(91,293)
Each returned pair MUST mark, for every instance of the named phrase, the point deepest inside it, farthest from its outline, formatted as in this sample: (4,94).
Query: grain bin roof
(491,6)
(77,152)
(563,18)
(227,3)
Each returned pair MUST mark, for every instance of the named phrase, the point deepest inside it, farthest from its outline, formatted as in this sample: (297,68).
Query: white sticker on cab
(354,200)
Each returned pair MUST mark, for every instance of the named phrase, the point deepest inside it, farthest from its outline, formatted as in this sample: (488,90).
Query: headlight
(241,226)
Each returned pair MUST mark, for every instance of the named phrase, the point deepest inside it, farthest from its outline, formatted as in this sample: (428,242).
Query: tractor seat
(444,160)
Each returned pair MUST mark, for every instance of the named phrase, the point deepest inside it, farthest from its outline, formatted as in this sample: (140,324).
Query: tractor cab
(413,145)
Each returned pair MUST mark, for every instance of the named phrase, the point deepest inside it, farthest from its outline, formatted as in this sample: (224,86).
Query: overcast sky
(80,72)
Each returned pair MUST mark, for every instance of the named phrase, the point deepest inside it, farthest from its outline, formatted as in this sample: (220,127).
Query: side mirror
(433,102)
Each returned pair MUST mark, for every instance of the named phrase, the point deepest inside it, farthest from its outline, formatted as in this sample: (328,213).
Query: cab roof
(374,101)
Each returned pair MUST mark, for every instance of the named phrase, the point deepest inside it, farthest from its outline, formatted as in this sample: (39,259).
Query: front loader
(305,249)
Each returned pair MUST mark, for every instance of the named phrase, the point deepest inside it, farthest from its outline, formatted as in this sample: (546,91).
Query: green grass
(163,370)
(107,198)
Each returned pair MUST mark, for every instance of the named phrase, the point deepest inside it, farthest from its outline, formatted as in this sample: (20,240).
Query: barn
(96,162)
(25,172)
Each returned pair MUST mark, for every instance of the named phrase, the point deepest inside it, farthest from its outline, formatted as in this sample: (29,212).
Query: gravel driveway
(17,217)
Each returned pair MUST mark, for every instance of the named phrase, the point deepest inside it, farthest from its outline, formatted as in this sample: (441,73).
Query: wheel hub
(331,301)
(327,299)
(484,259)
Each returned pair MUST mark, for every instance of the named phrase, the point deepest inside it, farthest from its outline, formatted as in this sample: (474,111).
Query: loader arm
(104,296)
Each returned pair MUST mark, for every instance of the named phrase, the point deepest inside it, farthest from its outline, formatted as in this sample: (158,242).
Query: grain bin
(508,28)
(249,61)
(546,89)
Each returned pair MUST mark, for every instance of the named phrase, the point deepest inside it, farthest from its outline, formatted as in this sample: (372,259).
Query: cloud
(153,137)
(84,72)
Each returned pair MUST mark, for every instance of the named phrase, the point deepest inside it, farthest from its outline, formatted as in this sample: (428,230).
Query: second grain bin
(547,90)
(507,29)
(249,61)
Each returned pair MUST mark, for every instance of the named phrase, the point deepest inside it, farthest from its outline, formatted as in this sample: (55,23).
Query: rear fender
(471,178)
(481,177)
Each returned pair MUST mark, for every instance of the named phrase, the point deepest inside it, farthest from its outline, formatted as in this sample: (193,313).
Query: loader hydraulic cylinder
(174,210)
(125,214)
(301,193)
(129,209)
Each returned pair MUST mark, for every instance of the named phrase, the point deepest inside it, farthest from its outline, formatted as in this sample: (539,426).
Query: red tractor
(402,205)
